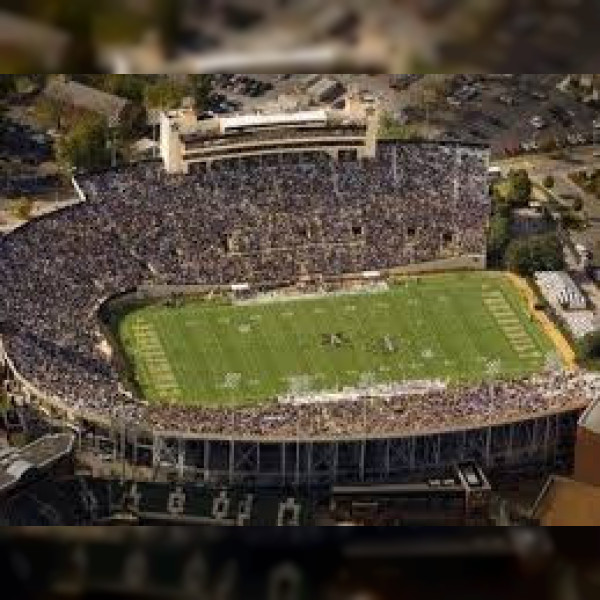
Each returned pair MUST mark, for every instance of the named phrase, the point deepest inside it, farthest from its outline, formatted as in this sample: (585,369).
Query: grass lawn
(464,326)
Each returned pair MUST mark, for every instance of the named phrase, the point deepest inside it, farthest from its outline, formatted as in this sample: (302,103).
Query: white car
(538,122)
(508,100)
(529,146)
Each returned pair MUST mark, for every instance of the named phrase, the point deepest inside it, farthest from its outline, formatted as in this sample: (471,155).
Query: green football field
(465,326)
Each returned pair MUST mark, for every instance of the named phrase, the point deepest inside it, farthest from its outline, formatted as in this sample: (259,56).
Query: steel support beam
(206,470)
(231,468)
(363,450)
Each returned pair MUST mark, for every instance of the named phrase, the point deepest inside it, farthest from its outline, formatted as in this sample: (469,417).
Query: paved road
(543,163)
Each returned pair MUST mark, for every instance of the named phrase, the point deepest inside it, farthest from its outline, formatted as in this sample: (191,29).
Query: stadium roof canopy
(306,117)
(15,463)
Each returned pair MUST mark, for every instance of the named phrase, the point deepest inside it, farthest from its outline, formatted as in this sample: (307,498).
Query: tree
(391,128)
(8,85)
(535,253)
(498,237)
(85,145)
(548,181)
(520,186)
(589,346)
(131,87)
(164,94)
(48,113)
(200,88)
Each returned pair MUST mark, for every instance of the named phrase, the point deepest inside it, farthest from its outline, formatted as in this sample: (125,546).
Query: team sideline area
(448,327)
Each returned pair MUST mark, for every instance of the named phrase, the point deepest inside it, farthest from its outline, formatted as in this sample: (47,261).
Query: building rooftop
(566,502)
(264,120)
(16,462)
(89,98)
(590,419)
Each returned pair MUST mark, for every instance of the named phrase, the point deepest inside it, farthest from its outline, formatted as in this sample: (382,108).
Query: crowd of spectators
(437,410)
(259,219)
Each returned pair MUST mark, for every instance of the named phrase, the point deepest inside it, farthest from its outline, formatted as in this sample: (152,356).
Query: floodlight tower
(366,382)
(298,386)
(492,368)
(231,383)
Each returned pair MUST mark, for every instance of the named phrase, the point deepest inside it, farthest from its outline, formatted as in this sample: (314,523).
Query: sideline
(560,342)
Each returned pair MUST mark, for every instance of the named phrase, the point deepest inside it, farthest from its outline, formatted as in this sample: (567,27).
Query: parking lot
(236,93)
(511,113)
(520,112)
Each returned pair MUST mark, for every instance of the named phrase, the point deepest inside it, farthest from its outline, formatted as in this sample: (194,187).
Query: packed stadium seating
(261,219)
(458,407)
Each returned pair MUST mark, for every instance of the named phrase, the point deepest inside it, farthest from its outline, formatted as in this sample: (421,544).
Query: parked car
(508,100)
(538,122)
(538,95)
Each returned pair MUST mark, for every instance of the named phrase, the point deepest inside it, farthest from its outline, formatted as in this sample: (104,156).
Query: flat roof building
(587,449)
(80,96)
(575,501)
(566,502)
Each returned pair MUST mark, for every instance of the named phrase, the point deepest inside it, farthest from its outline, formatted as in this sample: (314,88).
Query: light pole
(366,382)
(492,369)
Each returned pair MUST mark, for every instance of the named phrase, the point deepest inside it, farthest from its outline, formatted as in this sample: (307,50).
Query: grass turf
(465,326)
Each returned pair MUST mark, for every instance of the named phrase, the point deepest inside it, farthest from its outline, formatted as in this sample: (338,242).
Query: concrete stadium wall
(457,263)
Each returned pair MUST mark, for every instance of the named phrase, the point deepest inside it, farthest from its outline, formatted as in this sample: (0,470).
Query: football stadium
(284,300)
